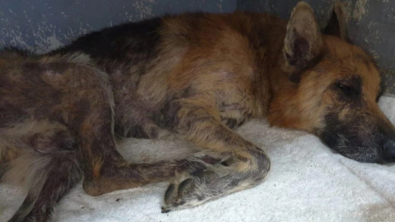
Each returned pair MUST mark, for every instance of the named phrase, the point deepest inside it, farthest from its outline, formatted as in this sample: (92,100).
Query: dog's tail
(48,173)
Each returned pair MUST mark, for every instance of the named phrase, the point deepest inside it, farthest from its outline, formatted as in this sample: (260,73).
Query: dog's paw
(221,175)
(189,190)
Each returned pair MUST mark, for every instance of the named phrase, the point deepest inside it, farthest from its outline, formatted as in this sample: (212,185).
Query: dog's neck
(273,80)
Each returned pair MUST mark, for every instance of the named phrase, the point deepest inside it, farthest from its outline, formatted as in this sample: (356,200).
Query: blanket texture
(308,182)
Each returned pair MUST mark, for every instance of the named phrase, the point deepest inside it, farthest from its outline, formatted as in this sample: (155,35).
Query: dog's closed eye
(350,87)
(347,89)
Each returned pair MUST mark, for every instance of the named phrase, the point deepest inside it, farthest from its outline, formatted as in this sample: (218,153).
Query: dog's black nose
(389,151)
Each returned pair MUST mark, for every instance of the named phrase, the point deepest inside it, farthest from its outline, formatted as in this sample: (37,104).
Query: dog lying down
(194,77)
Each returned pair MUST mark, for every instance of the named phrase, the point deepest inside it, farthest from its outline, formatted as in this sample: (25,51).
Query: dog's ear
(337,23)
(303,42)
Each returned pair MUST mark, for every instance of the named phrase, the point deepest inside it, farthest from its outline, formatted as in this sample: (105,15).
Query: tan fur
(197,77)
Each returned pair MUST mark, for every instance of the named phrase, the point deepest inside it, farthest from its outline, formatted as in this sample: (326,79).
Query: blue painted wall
(42,25)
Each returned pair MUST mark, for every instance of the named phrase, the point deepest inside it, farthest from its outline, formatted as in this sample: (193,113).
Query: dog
(194,76)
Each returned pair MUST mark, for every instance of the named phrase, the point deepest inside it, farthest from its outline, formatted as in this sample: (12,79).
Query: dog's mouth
(361,154)
(365,138)
(352,147)
(366,151)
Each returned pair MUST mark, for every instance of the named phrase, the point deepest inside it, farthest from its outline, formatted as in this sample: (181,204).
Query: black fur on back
(136,42)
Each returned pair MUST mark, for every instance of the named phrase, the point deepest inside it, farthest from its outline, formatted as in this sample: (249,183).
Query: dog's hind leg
(51,168)
(77,98)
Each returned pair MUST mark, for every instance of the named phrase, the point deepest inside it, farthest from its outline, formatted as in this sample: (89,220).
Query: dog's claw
(164,210)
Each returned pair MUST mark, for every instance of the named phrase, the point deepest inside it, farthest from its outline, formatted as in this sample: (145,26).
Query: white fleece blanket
(307,182)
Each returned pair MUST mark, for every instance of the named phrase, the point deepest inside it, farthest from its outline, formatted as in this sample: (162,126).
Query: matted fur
(194,76)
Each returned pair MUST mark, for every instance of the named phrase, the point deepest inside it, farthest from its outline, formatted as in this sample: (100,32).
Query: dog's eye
(347,90)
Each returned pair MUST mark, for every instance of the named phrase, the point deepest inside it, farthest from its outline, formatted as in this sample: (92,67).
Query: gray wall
(42,25)
(371,25)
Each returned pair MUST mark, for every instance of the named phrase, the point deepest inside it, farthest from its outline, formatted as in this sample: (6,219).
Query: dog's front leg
(242,164)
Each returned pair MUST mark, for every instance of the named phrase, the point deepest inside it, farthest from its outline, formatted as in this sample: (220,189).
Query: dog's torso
(221,62)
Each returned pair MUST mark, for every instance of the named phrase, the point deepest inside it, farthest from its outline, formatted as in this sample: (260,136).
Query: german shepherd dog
(194,76)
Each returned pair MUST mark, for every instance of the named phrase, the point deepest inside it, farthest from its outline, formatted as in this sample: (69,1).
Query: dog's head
(332,88)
